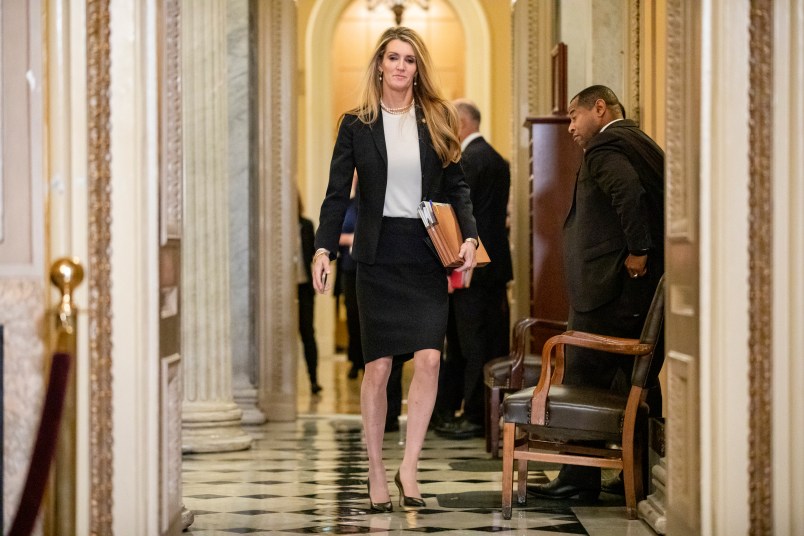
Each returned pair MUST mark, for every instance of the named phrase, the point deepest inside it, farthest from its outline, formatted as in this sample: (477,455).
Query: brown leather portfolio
(444,231)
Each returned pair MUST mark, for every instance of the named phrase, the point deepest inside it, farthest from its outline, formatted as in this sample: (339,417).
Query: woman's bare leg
(373,406)
(421,399)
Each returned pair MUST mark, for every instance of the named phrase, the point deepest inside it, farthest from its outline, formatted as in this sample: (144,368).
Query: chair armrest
(615,345)
(520,342)
(553,351)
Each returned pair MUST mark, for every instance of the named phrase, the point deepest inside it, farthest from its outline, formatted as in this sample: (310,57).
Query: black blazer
(618,207)
(362,147)
(489,178)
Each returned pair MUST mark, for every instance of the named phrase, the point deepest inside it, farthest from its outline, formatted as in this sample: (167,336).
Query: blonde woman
(402,139)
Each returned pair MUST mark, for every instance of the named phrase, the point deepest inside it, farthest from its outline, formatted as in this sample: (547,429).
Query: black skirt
(402,298)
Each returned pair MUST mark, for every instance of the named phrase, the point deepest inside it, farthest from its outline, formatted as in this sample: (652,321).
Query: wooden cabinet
(554,161)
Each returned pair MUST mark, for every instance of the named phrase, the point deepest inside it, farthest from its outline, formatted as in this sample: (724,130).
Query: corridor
(308,477)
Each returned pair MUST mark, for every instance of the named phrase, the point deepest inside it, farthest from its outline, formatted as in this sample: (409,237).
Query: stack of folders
(443,229)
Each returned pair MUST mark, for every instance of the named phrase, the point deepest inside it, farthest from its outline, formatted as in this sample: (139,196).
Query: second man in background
(480,311)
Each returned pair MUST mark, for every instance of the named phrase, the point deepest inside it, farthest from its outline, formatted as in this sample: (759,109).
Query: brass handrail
(60,518)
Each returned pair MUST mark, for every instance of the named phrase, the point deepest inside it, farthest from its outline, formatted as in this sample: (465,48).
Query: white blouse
(404,189)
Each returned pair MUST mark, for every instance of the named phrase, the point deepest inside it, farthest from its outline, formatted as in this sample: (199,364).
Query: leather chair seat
(593,413)
(497,372)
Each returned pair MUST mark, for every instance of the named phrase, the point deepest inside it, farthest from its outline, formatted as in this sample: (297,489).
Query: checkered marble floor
(308,477)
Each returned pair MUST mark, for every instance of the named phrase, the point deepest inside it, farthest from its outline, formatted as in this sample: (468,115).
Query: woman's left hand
(467,253)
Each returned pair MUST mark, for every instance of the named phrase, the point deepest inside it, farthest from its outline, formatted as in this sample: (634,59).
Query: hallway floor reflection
(308,477)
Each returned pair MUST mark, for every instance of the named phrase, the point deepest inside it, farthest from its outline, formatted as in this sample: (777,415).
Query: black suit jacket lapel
(378,133)
(424,151)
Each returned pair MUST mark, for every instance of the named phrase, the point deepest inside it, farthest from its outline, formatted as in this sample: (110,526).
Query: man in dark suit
(613,250)
(480,312)
(306,295)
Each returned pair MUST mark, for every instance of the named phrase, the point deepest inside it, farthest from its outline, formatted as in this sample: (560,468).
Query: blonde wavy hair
(439,114)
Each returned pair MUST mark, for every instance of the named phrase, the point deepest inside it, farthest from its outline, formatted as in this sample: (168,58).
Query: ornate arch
(318,76)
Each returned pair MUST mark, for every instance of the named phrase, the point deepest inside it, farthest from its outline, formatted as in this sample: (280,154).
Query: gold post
(65,274)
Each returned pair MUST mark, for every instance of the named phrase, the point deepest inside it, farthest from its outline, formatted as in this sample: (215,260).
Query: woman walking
(402,140)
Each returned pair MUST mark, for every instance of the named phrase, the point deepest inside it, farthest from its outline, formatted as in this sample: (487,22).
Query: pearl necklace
(397,111)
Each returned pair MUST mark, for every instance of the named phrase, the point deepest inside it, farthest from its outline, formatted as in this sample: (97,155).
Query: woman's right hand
(320,272)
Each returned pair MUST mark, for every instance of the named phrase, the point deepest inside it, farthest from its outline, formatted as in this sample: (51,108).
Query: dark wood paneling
(554,160)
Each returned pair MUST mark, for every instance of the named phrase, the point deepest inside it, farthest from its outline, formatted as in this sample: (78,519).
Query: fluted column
(242,211)
(211,421)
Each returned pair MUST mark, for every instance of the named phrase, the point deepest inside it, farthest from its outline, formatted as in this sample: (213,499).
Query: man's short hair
(589,96)
(469,108)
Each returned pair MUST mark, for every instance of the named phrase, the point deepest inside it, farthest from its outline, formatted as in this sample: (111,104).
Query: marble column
(242,212)
(211,420)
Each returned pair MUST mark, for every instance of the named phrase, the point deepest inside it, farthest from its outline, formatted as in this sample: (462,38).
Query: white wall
(135,269)
(724,212)
(595,32)
(788,276)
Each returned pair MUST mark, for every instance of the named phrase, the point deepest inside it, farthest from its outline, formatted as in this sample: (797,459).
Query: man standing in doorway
(613,252)
(306,295)
(480,311)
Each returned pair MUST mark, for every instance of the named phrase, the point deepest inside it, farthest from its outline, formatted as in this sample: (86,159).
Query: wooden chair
(511,373)
(547,422)
(44,447)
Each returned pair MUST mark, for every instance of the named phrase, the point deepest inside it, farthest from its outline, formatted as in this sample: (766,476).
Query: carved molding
(532,39)
(532,50)
(170,221)
(171,456)
(634,57)
(683,471)
(681,183)
(276,109)
(99,269)
(675,190)
(171,125)
(681,170)
(760,250)
(22,316)
(280,171)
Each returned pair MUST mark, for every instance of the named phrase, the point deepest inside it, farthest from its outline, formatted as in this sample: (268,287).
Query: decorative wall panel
(99,267)
(681,164)
(760,114)
(682,331)
(22,317)
(171,400)
(276,109)
(21,201)
(170,224)
(171,133)
(633,59)
(533,38)
(684,472)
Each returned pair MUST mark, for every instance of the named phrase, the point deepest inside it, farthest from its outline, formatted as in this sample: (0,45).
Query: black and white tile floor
(308,477)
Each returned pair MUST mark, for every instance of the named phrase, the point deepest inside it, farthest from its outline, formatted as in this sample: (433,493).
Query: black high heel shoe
(404,500)
(382,508)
